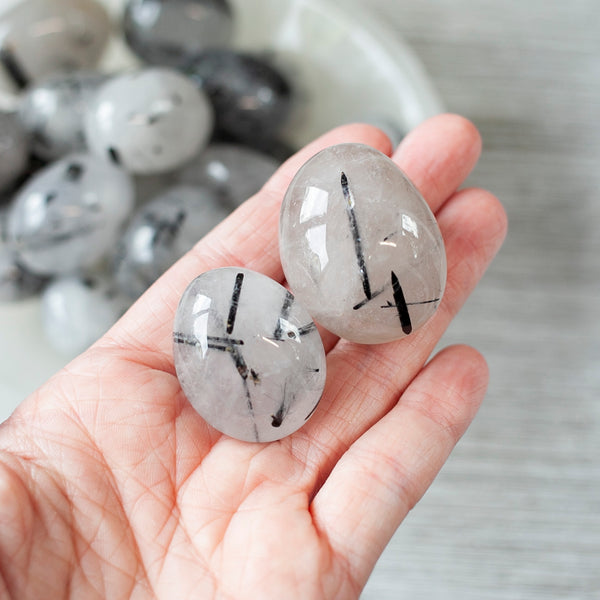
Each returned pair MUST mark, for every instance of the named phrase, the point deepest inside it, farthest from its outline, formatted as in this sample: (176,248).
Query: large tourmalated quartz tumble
(53,110)
(162,232)
(165,32)
(69,214)
(248,356)
(39,37)
(360,248)
(150,121)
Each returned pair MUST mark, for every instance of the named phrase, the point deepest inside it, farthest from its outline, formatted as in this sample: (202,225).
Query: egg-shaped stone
(149,121)
(234,171)
(360,247)
(39,37)
(251,98)
(162,232)
(53,110)
(69,215)
(166,32)
(248,356)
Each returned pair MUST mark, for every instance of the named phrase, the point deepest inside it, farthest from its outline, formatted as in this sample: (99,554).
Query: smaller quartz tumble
(69,215)
(40,37)
(165,32)
(360,247)
(248,356)
(149,121)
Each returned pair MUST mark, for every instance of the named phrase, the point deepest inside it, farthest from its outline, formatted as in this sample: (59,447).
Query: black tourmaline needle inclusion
(401,305)
(235,299)
(358,249)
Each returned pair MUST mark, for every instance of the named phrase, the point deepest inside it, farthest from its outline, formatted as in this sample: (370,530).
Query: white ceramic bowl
(346,67)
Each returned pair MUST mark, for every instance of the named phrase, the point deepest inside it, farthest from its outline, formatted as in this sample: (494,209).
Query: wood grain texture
(515,514)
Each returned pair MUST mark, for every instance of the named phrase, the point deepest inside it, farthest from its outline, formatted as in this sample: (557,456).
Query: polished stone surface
(14,149)
(149,121)
(77,311)
(251,98)
(162,232)
(166,32)
(39,37)
(234,171)
(69,214)
(53,111)
(360,248)
(248,356)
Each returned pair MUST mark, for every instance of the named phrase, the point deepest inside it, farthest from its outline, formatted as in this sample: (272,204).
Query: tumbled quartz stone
(359,246)
(69,215)
(247,354)
(39,37)
(166,32)
(52,111)
(162,232)
(234,171)
(251,98)
(77,311)
(149,121)
(14,149)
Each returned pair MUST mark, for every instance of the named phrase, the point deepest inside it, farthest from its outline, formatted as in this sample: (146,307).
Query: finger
(439,155)
(389,468)
(248,238)
(364,382)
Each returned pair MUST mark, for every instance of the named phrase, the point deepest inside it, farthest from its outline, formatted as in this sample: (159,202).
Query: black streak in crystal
(283,314)
(279,416)
(13,68)
(401,306)
(358,249)
(366,301)
(214,343)
(74,172)
(242,369)
(235,299)
(306,329)
(114,155)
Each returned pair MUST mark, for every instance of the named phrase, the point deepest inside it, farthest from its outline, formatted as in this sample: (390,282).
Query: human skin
(112,486)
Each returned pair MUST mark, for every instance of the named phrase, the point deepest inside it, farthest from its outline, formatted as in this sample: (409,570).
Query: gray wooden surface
(515,514)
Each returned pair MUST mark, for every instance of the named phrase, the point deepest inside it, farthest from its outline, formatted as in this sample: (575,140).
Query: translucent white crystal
(359,246)
(69,214)
(162,232)
(248,356)
(165,32)
(234,171)
(149,121)
(39,37)
(53,111)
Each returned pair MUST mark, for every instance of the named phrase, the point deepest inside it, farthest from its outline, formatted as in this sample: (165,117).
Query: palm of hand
(112,486)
